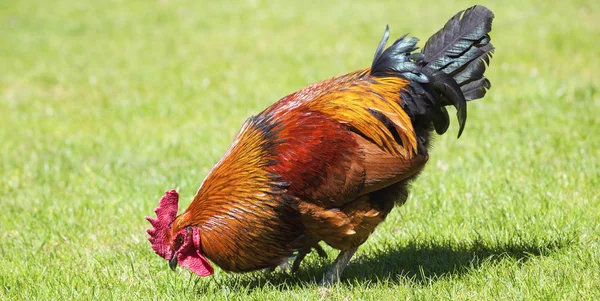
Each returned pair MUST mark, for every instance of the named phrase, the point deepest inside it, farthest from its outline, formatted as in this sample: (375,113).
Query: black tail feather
(457,56)
(476,89)
(451,93)
(449,70)
(460,41)
(475,69)
(397,58)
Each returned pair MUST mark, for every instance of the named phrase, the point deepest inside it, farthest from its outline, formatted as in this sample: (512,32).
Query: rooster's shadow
(419,263)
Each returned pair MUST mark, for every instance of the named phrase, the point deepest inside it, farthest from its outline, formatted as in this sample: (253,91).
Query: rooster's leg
(284,266)
(269,269)
(308,246)
(299,259)
(333,275)
(320,250)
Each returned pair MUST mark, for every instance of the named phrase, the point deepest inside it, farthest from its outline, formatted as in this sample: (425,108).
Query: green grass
(104,105)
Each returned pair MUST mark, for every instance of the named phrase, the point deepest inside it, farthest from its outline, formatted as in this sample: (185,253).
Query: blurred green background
(104,105)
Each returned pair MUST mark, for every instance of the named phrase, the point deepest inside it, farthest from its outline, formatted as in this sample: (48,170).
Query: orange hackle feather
(240,193)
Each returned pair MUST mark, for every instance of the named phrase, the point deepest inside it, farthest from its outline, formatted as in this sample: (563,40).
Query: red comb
(160,234)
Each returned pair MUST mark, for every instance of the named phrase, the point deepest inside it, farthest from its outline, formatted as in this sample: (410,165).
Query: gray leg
(269,269)
(299,259)
(320,250)
(309,245)
(283,266)
(333,275)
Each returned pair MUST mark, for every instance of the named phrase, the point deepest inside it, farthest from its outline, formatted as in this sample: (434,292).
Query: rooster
(329,162)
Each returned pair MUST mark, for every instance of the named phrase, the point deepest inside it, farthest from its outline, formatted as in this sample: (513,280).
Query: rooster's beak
(173,262)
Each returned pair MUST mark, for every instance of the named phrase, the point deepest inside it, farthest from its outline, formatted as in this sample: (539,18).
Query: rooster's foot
(333,275)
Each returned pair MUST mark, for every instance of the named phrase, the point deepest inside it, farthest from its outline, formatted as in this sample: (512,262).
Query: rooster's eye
(178,241)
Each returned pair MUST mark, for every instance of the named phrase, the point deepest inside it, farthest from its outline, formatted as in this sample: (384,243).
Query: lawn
(104,105)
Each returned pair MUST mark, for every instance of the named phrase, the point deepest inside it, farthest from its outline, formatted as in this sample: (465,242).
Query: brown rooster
(328,162)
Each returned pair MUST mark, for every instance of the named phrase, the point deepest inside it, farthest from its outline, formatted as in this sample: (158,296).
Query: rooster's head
(179,244)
